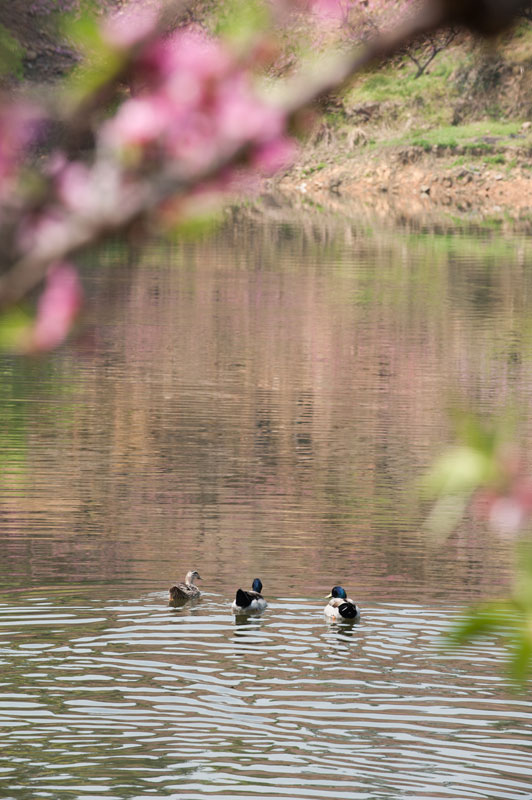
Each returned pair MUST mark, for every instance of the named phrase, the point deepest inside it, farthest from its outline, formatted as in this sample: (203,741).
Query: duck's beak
(198,577)
(328,596)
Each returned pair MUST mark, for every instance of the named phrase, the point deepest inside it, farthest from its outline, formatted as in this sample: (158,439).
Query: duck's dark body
(348,611)
(247,601)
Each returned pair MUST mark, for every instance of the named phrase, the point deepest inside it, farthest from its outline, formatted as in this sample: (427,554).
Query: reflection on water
(149,702)
(260,403)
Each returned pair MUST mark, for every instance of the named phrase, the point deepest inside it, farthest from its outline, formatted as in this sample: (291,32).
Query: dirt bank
(410,181)
(457,139)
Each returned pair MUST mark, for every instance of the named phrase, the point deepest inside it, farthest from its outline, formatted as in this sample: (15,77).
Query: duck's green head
(257,585)
(338,591)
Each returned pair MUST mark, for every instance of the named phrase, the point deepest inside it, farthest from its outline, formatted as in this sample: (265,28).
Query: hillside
(456,138)
(459,137)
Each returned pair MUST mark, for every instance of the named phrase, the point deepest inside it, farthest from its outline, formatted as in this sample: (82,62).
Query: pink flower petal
(140,121)
(275,155)
(58,306)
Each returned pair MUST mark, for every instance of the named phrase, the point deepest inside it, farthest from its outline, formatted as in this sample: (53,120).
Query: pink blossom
(139,121)
(185,60)
(195,54)
(184,73)
(74,186)
(507,507)
(57,308)
(507,517)
(194,141)
(240,116)
(42,231)
(200,106)
(274,155)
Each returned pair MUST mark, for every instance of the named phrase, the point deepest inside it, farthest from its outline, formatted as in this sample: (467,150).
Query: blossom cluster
(195,104)
(191,110)
(506,504)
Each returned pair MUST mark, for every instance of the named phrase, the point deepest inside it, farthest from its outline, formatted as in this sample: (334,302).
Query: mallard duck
(245,602)
(340,607)
(185,591)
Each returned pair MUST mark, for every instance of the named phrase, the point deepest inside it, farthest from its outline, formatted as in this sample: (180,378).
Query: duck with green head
(340,607)
(250,601)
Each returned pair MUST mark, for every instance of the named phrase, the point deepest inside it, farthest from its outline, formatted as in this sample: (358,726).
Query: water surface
(260,403)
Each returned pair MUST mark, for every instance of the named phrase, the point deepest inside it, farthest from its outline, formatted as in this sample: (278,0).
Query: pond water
(260,402)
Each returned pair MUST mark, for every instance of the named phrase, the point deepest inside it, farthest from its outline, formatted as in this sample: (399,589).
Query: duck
(249,601)
(341,607)
(182,592)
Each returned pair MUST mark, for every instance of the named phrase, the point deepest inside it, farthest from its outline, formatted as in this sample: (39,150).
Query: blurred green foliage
(101,63)
(196,226)
(509,618)
(14,323)
(484,464)
(470,464)
(240,22)
(11,54)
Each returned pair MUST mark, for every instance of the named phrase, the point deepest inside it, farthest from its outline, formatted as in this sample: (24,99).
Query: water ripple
(139,700)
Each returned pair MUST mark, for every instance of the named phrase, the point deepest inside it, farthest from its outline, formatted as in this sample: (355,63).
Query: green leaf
(83,31)
(13,326)
(521,655)
(475,434)
(102,63)
(446,514)
(506,618)
(522,590)
(488,618)
(460,470)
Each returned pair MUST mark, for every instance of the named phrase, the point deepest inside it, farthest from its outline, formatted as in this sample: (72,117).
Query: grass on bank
(405,110)
(482,135)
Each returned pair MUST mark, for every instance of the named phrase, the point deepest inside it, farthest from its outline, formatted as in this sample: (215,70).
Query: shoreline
(395,182)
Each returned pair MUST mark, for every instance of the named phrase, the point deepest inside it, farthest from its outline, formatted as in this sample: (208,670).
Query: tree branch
(147,194)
